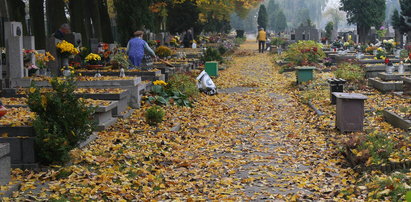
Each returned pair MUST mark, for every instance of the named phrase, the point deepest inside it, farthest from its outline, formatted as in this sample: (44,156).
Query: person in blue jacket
(136,49)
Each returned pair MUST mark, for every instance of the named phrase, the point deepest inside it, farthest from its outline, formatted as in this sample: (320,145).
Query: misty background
(296,12)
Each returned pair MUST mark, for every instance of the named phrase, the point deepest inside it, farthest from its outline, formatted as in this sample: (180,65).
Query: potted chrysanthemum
(93,61)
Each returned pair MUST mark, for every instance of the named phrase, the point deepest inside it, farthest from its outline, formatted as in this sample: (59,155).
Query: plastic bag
(205,84)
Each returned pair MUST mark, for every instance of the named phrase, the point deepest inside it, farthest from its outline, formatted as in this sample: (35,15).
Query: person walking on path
(261,38)
(136,48)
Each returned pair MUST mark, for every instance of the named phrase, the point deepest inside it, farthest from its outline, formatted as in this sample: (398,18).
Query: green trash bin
(304,74)
(211,68)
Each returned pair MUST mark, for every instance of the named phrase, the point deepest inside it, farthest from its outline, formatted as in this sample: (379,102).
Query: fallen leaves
(17,117)
(256,144)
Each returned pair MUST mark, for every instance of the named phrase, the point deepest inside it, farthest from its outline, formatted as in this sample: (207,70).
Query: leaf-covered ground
(252,141)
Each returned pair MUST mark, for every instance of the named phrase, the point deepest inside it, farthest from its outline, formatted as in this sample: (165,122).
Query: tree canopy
(365,14)
(262,17)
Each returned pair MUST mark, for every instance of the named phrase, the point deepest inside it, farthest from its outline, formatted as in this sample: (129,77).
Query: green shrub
(154,115)
(212,54)
(239,41)
(350,72)
(164,95)
(277,41)
(62,122)
(222,50)
(395,187)
(185,84)
(304,53)
(378,147)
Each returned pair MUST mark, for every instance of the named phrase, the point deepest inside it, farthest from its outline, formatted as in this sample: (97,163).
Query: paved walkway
(251,142)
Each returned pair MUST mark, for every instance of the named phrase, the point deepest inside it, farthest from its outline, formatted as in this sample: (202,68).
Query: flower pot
(65,61)
(91,67)
(42,72)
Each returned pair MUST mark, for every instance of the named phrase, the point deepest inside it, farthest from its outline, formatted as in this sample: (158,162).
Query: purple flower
(382,28)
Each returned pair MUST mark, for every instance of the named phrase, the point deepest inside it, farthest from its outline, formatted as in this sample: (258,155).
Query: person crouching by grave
(63,30)
(136,49)
(261,38)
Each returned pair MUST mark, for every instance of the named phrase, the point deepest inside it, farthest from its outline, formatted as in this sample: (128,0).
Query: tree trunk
(107,33)
(95,16)
(4,9)
(56,15)
(16,9)
(37,22)
(363,31)
(79,21)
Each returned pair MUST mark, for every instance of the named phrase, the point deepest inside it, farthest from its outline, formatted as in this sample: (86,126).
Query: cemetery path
(253,141)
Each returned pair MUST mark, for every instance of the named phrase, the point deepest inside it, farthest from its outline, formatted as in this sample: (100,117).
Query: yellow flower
(160,83)
(93,57)
(43,101)
(32,90)
(68,48)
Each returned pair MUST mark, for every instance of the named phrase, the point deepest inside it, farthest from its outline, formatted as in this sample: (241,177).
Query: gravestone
(53,66)
(14,45)
(159,37)
(307,32)
(29,44)
(292,38)
(113,46)
(94,45)
(73,38)
(373,34)
(78,39)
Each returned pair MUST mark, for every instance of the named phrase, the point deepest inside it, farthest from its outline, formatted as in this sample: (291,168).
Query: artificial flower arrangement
(408,60)
(152,43)
(175,41)
(93,59)
(120,60)
(389,45)
(104,52)
(67,70)
(43,58)
(382,32)
(381,54)
(163,51)
(67,49)
(349,43)
(370,50)
(304,53)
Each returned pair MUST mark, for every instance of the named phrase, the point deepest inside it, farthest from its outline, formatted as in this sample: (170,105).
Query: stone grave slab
(4,163)
(397,121)
(392,77)
(385,86)
(407,86)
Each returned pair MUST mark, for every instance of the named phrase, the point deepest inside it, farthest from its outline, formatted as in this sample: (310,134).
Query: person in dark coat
(188,39)
(63,30)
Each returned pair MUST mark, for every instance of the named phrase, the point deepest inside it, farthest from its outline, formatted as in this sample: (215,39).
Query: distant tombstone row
(305,33)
